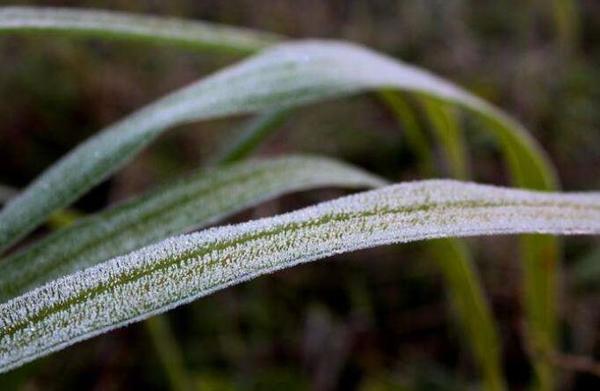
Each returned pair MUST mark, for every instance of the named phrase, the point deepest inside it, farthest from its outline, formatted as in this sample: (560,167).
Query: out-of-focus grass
(477,43)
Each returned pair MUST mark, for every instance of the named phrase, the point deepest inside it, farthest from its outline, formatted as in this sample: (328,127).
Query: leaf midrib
(339,217)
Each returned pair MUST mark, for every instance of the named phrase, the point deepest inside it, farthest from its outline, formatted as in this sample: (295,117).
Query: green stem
(452,255)
(252,135)
(168,352)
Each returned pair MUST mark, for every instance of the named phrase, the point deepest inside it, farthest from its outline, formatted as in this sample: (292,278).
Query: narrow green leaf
(285,76)
(169,353)
(449,134)
(180,269)
(466,292)
(252,135)
(188,203)
(121,25)
(415,136)
(454,256)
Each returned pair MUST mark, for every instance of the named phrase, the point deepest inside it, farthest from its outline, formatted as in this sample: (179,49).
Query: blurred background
(371,320)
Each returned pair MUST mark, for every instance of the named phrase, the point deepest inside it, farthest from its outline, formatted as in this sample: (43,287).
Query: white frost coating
(180,269)
(284,76)
(103,23)
(190,202)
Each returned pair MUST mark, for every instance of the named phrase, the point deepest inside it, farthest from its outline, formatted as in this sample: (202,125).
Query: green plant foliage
(178,270)
(121,25)
(188,203)
(288,75)
(272,82)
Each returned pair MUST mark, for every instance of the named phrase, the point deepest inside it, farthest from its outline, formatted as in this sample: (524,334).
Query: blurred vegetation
(373,320)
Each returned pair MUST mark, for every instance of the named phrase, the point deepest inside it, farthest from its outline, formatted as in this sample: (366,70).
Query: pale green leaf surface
(285,76)
(188,203)
(122,25)
(180,269)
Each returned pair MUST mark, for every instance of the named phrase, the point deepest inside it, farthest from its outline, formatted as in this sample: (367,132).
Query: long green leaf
(454,257)
(285,76)
(188,203)
(180,269)
(251,136)
(449,134)
(121,25)
(414,134)
(475,316)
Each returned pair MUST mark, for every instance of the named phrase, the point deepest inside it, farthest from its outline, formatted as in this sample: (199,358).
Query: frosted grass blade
(454,257)
(174,208)
(180,269)
(122,25)
(288,75)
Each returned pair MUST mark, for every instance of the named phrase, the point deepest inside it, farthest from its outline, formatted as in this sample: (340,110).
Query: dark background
(371,320)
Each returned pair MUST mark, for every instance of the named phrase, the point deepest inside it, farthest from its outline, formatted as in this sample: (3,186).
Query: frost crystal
(183,268)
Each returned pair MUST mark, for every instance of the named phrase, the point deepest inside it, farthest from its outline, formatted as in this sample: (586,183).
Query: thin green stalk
(448,133)
(474,314)
(251,136)
(415,137)
(452,255)
(540,256)
(168,352)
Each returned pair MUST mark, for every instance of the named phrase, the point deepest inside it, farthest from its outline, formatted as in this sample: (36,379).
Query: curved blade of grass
(540,254)
(415,136)
(466,293)
(252,135)
(452,255)
(188,203)
(168,353)
(180,269)
(121,25)
(285,76)
(449,134)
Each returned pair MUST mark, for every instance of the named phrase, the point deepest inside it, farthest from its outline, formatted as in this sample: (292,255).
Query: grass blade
(474,314)
(452,255)
(188,203)
(121,25)
(252,135)
(168,353)
(415,136)
(178,270)
(288,75)
(449,134)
